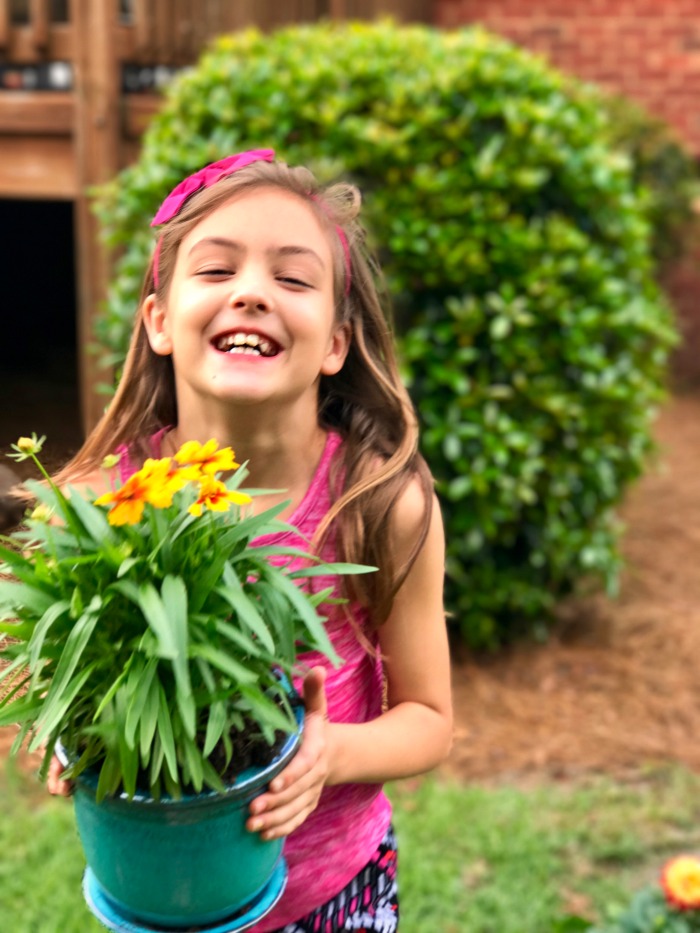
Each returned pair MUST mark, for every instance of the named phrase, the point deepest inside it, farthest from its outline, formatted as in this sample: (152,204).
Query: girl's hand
(55,783)
(295,792)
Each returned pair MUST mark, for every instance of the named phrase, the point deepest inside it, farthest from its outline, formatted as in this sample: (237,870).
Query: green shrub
(516,249)
(669,173)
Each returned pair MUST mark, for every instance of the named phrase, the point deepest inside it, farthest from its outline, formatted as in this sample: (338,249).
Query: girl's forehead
(268,212)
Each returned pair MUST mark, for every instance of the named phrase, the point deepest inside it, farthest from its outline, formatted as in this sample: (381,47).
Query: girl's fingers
(284,819)
(309,782)
(55,783)
(295,792)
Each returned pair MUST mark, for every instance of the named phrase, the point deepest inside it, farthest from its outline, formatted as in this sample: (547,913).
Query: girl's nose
(247,297)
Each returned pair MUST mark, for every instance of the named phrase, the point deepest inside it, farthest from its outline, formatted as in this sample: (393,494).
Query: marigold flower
(207,457)
(680,879)
(214,495)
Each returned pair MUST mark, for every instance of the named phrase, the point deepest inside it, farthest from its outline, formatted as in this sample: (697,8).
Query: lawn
(497,859)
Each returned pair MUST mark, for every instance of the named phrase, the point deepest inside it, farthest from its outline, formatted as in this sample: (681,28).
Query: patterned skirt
(370,902)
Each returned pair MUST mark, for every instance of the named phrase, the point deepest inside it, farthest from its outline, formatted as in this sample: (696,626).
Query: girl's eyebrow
(290,250)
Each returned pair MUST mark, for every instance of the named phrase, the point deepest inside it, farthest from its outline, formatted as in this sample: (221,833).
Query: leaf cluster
(516,240)
(142,647)
(650,912)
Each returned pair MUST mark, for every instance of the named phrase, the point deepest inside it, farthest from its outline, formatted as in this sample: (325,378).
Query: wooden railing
(171,31)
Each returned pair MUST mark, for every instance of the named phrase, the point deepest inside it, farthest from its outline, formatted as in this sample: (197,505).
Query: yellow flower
(214,495)
(29,445)
(42,513)
(156,483)
(127,502)
(163,479)
(680,879)
(207,457)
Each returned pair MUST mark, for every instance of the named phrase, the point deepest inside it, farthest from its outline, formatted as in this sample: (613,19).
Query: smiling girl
(260,326)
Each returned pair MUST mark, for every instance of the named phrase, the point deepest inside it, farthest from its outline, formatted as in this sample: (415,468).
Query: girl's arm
(415,732)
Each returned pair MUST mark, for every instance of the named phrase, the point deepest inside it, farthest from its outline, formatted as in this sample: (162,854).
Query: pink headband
(208,176)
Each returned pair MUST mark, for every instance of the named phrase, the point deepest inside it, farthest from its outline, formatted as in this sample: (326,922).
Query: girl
(260,326)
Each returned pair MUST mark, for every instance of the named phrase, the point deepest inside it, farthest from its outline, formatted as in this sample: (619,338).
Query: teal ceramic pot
(180,863)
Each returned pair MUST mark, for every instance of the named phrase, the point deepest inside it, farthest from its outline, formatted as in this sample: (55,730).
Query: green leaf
(36,642)
(138,689)
(330,569)
(62,690)
(308,614)
(224,662)
(233,593)
(240,639)
(151,605)
(215,727)
(174,595)
(92,517)
(149,717)
(53,711)
(193,760)
(267,712)
(22,710)
(110,777)
(165,733)
(24,597)
(129,764)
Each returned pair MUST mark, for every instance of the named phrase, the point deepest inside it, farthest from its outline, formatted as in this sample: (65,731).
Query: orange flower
(680,879)
(206,457)
(156,482)
(214,495)
(127,502)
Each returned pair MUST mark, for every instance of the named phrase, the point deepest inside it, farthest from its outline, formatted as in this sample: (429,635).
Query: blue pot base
(110,916)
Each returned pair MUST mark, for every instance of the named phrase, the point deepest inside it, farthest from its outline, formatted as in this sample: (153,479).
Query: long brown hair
(365,402)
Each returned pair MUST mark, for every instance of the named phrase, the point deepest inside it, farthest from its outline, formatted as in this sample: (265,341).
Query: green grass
(509,860)
(495,859)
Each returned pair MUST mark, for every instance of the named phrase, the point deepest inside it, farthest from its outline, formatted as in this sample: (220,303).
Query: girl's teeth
(245,343)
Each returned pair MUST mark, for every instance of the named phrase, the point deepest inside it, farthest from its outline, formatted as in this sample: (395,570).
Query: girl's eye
(293,280)
(216,271)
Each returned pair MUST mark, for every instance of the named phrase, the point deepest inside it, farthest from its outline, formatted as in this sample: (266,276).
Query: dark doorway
(38,354)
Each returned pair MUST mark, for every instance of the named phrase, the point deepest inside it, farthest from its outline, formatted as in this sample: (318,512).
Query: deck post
(97,146)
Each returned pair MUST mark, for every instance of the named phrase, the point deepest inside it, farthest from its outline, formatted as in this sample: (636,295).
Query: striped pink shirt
(338,839)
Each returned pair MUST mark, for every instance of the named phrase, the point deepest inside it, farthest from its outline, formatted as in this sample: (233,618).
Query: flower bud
(110,461)
(29,445)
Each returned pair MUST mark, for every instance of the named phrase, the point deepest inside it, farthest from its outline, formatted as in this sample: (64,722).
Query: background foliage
(516,248)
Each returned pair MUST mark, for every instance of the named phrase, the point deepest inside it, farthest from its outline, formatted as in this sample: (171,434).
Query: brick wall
(648,50)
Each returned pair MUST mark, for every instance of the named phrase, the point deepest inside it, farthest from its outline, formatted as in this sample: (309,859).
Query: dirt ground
(615,687)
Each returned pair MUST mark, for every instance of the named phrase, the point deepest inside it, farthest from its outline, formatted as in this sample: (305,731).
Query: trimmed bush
(670,174)
(515,247)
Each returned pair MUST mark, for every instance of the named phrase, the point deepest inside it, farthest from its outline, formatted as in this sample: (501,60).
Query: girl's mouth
(244,343)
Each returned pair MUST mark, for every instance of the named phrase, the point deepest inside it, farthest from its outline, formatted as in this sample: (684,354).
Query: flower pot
(176,864)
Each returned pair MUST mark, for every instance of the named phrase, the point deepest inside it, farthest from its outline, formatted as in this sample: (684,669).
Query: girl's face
(249,317)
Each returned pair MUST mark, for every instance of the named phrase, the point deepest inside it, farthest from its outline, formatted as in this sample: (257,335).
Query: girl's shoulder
(409,511)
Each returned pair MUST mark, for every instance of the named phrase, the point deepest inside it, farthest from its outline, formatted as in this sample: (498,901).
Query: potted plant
(153,635)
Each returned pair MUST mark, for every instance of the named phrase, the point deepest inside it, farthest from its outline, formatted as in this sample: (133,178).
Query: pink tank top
(338,839)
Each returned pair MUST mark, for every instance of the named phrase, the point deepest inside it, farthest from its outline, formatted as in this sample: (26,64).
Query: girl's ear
(156,323)
(337,350)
